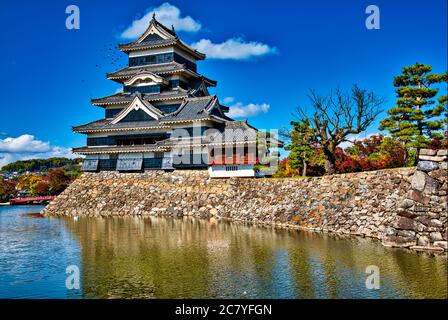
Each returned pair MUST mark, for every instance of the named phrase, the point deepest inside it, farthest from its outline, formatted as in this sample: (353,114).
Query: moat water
(187,258)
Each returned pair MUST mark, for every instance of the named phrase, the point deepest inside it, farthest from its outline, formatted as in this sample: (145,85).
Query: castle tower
(165,117)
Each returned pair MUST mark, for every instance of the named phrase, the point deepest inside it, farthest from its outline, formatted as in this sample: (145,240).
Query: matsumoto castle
(165,117)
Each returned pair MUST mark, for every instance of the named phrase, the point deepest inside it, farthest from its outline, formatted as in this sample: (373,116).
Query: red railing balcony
(233,160)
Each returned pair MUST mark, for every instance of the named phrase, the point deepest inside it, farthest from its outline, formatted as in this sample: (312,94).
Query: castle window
(142,89)
(151,59)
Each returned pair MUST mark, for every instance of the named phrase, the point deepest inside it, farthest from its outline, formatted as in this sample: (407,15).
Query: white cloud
(235,49)
(24,143)
(168,15)
(229,99)
(27,147)
(239,110)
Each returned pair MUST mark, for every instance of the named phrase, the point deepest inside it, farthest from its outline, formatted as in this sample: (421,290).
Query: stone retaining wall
(402,208)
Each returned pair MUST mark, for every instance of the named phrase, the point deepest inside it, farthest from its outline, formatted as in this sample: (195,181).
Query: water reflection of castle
(135,257)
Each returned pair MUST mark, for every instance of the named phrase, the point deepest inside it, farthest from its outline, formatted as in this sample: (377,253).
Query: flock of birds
(112,60)
(112,55)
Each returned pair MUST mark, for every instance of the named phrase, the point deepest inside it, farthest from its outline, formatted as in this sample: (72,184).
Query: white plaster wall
(220,172)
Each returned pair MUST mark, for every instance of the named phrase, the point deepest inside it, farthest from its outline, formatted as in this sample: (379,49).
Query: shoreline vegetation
(418,120)
(37,177)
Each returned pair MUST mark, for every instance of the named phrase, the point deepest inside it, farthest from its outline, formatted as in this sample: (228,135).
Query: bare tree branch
(338,115)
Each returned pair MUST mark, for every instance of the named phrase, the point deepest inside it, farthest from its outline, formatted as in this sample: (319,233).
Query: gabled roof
(138,104)
(200,88)
(155,27)
(144,77)
(165,38)
(191,109)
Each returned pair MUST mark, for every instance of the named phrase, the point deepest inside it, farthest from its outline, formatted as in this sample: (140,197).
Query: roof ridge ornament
(153,16)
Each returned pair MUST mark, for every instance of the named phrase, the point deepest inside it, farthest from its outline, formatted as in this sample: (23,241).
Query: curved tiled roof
(170,39)
(191,109)
(160,43)
(147,44)
(107,125)
(124,98)
(158,69)
(119,149)
(153,68)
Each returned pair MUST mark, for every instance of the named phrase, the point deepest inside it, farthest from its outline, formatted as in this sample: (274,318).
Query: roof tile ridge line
(200,98)
(212,116)
(175,113)
(92,122)
(162,42)
(156,24)
(173,63)
(112,95)
(211,104)
(190,47)
(151,106)
(125,109)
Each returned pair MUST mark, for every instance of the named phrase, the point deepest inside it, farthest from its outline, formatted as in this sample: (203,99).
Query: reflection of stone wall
(404,207)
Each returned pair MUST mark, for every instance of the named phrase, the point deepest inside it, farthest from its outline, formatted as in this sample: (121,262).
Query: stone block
(390,231)
(403,223)
(436,236)
(406,203)
(418,181)
(418,197)
(427,166)
(431,186)
(428,152)
(438,174)
(407,213)
(399,242)
(441,244)
(406,234)
(436,223)
(433,158)
(443,152)
(423,241)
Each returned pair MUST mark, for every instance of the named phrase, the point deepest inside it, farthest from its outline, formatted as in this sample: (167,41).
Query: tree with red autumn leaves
(7,190)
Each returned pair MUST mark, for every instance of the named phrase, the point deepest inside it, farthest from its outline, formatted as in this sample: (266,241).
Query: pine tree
(417,119)
(302,145)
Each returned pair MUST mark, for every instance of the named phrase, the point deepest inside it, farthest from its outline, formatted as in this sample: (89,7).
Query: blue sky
(280,50)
